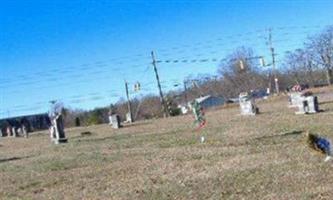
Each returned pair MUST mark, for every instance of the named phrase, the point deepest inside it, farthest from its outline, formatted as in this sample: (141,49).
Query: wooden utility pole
(165,111)
(128,102)
(276,81)
(185,92)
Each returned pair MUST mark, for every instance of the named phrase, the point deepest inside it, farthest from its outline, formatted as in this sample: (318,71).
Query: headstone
(307,104)
(247,104)
(111,112)
(1,135)
(14,132)
(128,117)
(19,131)
(57,132)
(313,105)
(115,121)
(294,98)
(110,119)
(9,131)
(25,131)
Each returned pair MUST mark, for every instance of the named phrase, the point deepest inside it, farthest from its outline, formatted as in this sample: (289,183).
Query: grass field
(261,157)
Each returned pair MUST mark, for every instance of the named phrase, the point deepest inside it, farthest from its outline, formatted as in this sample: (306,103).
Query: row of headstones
(56,129)
(305,103)
(15,131)
(57,133)
(114,120)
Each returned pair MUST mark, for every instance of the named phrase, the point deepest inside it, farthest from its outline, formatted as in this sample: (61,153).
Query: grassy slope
(262,157)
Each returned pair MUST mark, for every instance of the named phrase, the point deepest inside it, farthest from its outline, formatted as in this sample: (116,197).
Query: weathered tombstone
(19,131)
(14,131)
(57,132)
(25,131)
(110,119)
(1,135)
(111,112)
(9,131)
(307,104)
(128,118)
(302,105)
(247,104)
(313,106)
(115,119)
(294,98)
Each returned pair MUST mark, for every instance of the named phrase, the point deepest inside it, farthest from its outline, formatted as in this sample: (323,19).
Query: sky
(82,52)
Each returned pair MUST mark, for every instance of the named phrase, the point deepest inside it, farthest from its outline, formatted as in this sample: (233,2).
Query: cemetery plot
(262,157)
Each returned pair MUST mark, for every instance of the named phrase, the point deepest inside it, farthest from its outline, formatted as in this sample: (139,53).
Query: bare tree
(300,67)
(321,51)
(240,73)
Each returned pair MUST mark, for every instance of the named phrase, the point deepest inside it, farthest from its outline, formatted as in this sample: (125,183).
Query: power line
(97,67)
(103,64)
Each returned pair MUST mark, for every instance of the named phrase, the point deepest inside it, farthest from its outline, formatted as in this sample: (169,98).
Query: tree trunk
(329,76)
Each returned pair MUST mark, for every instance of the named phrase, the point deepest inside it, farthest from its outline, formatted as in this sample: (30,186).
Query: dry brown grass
(260,157)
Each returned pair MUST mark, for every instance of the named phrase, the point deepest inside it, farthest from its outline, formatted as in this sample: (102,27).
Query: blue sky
(80,52)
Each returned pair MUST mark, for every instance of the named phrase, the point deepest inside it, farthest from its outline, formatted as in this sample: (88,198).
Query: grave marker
(57,132)
(307,105)
(293,98)
(14,131)
(25,131)
(247,104)
(115,121)
(129,118)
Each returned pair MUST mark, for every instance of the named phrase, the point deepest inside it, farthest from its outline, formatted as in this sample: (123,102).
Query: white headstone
(25,131)
(57,132)
(14,131)
(294,98)
(128,117)
(308,104)
(9,131)
(312,104)
(247,104)
(115,121)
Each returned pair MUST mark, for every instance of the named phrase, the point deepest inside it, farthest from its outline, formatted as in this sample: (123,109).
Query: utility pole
(276,81)
(185,92)
(128,101)
(165,112)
